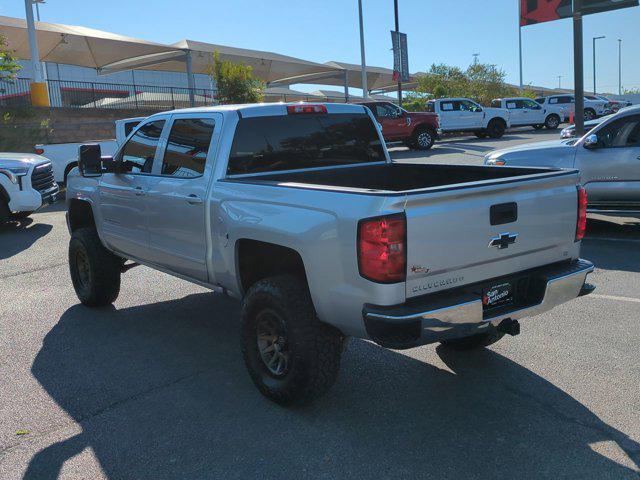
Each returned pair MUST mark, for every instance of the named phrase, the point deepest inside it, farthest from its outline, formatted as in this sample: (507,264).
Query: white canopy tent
(75,45)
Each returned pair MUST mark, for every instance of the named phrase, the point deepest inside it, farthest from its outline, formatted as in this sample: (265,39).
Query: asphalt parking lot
(155,386)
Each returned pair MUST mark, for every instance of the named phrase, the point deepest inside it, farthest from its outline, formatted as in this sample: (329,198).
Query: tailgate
(451,240)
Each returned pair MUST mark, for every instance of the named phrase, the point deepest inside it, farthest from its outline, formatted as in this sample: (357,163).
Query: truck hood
(553,153)
(21,159)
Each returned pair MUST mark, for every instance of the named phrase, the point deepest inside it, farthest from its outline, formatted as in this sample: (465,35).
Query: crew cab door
(123,195)
(178,195)
(472,115)
(611,171)
(517,112)
(453,117)
(394,125)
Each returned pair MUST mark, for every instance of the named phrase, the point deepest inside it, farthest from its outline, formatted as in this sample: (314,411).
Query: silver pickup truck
(298,210)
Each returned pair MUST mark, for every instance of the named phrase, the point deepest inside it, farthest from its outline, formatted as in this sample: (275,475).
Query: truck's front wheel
(479,340)
(95,272)
(496,128)
(291,356)
(423,139)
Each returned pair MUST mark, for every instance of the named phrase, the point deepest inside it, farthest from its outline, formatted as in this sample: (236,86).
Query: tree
(8,64)
(631,91)
(480,81)
(235,81)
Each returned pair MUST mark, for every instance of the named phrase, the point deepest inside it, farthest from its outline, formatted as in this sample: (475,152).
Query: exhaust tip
(509,326)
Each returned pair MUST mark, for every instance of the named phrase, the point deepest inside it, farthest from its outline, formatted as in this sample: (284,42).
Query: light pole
(395,13)
(594,62)
(619,66)
(365,93)
(559,82)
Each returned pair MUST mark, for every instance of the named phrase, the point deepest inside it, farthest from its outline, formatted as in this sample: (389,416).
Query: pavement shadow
(160,391)
(613,246)
(18,235)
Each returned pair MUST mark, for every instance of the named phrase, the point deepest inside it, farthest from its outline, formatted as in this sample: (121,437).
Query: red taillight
(581,227)
(382,253)
(293,109)
(39,151)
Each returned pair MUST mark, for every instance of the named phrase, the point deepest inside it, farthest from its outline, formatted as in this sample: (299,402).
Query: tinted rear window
(289,142)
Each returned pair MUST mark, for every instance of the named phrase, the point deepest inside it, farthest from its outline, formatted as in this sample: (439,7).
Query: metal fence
(72,94)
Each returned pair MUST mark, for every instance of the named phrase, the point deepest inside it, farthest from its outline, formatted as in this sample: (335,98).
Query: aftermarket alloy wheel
(95,272)
(291,356)
(423,140)
(552,122)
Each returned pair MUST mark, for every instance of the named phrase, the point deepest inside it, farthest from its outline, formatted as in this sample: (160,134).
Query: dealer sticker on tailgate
(497,295)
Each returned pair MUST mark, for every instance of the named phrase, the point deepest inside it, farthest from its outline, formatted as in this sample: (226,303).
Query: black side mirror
(89,160)
(110,165)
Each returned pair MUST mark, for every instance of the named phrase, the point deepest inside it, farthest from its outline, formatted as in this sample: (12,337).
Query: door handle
(192,199)
(139,192)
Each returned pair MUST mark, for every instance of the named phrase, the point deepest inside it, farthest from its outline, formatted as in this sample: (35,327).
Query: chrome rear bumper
(409,325)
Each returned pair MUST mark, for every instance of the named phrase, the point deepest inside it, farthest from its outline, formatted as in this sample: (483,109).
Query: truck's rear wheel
(479,340)
(95,272)
(21,215)
(496,128)
(423,139)
(5,213)
(552,122)
(589,114)
(291,356)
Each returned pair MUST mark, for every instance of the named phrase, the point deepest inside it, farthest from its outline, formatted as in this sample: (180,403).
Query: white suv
(592,108)
(26,183)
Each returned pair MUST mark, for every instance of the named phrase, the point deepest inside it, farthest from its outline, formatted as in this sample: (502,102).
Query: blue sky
(448,31)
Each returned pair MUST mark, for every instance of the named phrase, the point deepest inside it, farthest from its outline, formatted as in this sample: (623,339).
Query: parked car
(608,158)
(26,184)
(464,115)
(417,130)
(570,131)
(64,156)
(592,108)
(298,210)
(525,112)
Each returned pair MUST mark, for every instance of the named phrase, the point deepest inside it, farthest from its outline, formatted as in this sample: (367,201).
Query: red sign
(539,11)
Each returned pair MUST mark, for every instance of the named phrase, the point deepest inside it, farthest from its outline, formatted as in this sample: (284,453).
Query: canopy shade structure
(333,96)
(277,94)
(151,100)
(75,45)
(267,66)
(346,74)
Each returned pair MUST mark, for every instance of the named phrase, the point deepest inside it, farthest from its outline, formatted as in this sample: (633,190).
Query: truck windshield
(292,142)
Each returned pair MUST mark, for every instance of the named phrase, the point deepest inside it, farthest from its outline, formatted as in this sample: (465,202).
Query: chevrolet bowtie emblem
(503,240)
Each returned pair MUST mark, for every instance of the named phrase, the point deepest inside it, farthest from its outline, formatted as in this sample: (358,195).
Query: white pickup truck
(464,115)
(64,156)
(593,107)
(525,112)
(298,210)
(26,184)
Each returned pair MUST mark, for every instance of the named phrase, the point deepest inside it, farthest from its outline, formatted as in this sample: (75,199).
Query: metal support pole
(594,64)
(619,66)
(395,12)
(363,62)
(346,86)
(33,43)
(190,82)
(520,43)
(578,67)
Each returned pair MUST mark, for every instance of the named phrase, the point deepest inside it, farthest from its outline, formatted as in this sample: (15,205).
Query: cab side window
(468,106)
(384,110)
(621,133)
(530,104)
(187,147)
(138,153)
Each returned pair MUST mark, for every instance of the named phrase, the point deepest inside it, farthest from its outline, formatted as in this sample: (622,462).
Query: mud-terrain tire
(95,272)
(279,321)
(473,342)
(20,215)
(5,213)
